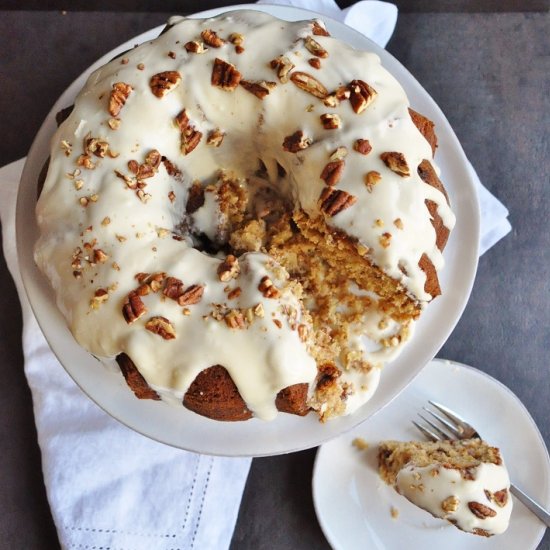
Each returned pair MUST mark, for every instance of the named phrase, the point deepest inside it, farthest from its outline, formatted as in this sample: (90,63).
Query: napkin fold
(109,487)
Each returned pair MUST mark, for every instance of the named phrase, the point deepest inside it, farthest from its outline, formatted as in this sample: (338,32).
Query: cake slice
(464,482)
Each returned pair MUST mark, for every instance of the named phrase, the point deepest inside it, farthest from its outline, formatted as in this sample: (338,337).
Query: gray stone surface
(490,75)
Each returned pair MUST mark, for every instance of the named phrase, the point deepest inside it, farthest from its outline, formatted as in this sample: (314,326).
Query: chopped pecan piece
(296,142)
(215,138)
(332,172)
(236,38)
(161,326)
(361,95)
(303,332)
(171,168)
(195,47)
(100,296)
(283,66)
(190,136)
(333,99)
(371,179)
(173,288)
(362,146)
(450,504)
(267,288)
(481,511)
(212,39)
(339,154)
(133,308)
(99,256)
(385,240)
(397,163)
(191,295)
(330,121)
(228,269)
(235,293)
(309,84)
(235,319)
(163,83)
(315,62)
(314,47)
(145,171)
(95,146)
(117,99)
(259,89)
(225,75)
(133,166)
(153,158)
(333,201)
(318,29)
(500,498)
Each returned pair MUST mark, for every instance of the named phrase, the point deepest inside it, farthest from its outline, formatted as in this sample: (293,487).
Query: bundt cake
(464,482)
(244,212)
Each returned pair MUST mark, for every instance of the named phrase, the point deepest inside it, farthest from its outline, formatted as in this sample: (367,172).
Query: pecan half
(283,66)
(361,95)
(362,146)
(330,121)
(314,47)
(309,84)
(173,288)
(332,172)
(225,75)
(481,511)
(296,142)
(259,89)
(133,308)
(161,326)
(318,29)
(228,269)
(191,295)
(333,201)
(212,39)
(163,83)
(267,288)
(117,99)
(396,162)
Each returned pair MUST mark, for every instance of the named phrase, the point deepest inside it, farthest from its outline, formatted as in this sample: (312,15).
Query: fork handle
(536,508)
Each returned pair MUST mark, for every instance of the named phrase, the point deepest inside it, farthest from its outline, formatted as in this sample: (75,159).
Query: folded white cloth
(109,487)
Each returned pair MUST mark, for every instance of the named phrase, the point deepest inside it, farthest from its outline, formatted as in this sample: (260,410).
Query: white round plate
(183,429)
(354,505)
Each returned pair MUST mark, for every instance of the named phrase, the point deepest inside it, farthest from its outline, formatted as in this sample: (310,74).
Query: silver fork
(456,427)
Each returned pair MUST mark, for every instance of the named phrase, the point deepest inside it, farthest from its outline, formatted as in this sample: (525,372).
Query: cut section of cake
(464,482)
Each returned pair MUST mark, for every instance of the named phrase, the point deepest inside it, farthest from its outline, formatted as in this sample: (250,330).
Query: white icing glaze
(263,358)
(428,487)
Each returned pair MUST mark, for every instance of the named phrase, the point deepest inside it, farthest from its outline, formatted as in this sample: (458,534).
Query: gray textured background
(489,72)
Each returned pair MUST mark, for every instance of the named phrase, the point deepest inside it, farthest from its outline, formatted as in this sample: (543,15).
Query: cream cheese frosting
(479,500)
(103,220)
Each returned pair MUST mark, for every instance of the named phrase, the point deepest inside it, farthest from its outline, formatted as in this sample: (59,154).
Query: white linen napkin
(109,487)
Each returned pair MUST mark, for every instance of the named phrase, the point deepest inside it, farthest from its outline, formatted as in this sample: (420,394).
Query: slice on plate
(464,482)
